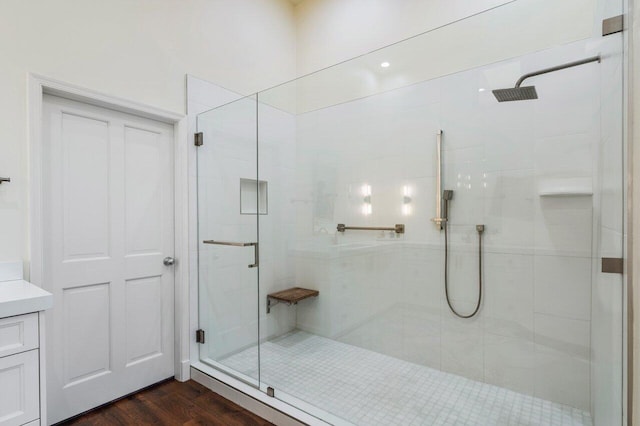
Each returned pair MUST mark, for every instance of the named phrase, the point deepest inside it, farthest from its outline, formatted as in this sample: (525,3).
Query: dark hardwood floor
(170,403)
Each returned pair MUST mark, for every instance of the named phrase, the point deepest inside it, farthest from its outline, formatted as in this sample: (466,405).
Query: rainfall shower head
(518,93)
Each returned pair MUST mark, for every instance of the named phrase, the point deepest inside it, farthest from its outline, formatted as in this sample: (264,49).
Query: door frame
(37,87)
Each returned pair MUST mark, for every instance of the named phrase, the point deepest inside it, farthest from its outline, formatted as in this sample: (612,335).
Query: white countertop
(19,297)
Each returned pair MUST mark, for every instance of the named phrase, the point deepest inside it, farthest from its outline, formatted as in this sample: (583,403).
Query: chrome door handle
(168,261)
(255,263)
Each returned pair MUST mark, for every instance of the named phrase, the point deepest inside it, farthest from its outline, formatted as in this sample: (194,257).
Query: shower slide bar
(398,229)
(439,219)
(255,263)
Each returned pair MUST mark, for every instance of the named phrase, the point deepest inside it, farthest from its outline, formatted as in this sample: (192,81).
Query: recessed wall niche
(253,195)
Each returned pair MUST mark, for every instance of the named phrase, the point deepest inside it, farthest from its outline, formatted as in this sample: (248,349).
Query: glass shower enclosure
(323,277)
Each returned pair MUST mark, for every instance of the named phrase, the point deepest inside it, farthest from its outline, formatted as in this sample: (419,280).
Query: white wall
(138,50)
(469,43)
(332,31)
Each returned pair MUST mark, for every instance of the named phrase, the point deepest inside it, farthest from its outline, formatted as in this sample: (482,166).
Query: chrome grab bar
(398,228)
(438,220)
(256,255)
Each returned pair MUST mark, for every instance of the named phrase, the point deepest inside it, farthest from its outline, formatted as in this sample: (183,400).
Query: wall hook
(5,179)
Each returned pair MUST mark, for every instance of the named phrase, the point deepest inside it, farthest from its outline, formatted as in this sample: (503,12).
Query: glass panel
(356,145)
(276,159)
(608,316)
(228,237)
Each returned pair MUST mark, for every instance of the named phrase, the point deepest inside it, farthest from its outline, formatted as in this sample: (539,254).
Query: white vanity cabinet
(19,370)
(22,386)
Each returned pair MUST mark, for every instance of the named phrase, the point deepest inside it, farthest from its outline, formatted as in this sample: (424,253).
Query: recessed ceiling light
(385,64)
(482,89)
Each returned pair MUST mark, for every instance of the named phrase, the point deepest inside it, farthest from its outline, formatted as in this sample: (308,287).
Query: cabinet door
(19,389)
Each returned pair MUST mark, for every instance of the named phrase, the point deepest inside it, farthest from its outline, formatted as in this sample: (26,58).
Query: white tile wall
(563,286)
(509,362)
(462,341)
(509,289)
(562,359)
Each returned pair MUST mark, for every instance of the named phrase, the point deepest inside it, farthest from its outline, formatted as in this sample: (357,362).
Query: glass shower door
(228,207)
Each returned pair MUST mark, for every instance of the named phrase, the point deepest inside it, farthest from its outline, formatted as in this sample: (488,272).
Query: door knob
(168,261)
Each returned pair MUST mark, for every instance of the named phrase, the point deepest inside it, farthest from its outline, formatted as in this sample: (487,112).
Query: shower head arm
(557,68)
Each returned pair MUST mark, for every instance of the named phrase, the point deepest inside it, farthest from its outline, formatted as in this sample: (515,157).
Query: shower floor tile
(368,388)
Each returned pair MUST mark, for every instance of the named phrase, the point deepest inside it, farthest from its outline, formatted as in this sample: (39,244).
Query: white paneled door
(108,219)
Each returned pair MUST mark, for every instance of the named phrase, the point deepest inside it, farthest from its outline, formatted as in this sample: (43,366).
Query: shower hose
(480,229)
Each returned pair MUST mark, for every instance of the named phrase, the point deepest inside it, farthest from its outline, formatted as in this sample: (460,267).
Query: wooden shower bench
(290,296)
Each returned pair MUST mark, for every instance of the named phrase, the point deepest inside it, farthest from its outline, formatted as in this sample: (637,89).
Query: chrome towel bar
(398,228)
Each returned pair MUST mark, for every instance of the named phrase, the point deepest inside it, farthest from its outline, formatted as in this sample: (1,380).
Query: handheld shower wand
(447,195)
(442,222)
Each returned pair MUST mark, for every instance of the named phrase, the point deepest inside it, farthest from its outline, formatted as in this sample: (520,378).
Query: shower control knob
(168,261)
